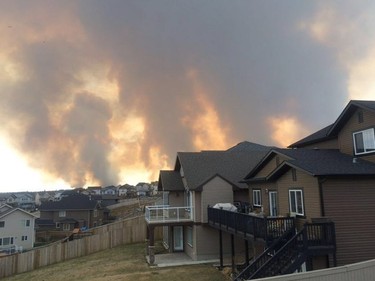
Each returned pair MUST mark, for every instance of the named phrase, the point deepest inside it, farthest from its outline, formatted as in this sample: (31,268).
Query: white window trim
(257,198)
(368,141)
(62,214)
(66,227)
(295,191)
(189,236)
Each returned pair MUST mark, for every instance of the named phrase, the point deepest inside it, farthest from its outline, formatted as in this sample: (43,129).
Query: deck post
(151,245)
(221,249)
(233,254)
(246,252)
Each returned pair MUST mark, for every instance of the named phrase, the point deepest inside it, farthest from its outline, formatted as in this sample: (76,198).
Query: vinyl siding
(15,227)
(351,205)
(271,186)
(328,144)
(215,191)
(208,246)
(311,196)
(345,137)
(269,167)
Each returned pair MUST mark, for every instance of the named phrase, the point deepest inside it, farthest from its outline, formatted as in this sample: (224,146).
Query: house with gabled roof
(73,211)
(16,229)
(200,179)
(326,177)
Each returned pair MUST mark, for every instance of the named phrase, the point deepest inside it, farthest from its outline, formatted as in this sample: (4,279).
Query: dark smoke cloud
(250,56)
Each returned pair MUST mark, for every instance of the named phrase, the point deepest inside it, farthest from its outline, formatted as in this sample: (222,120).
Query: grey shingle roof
(326,162)
(332,130)
(74,201)
(170,181)
(233,166)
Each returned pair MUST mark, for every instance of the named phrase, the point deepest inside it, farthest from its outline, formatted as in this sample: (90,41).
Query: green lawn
(121,263)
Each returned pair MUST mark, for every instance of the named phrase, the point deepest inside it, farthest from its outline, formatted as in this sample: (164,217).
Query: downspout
(321,180)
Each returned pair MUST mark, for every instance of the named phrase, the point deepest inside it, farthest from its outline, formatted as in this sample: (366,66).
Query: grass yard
(125,262)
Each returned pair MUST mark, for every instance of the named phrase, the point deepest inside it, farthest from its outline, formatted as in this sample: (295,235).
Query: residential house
(96,190)
(122,190)
(200,179)
(16,229)
(73,211)
(109,190)
(43,197)
(328,176)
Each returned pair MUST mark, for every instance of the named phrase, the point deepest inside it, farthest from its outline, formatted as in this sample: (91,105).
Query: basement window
(364,141)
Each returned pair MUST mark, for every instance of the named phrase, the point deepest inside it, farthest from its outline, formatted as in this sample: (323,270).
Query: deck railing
(259,227)
(165,213)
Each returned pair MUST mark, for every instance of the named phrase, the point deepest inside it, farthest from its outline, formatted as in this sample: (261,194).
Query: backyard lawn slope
(125,262)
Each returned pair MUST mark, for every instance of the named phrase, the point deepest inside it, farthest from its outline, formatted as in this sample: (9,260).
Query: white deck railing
(165,213)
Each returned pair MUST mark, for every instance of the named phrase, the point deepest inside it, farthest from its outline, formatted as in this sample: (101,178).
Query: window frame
(62,214)
(257,198)
(189,236)
(295,210)
(2,224)
(370,132)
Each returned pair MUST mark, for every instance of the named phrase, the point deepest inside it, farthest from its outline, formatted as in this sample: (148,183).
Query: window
(189,199)
(2,223)
(256,198)
(364,141)
(24,238)
(62,214)
(57,225)
(26,223)
(66,226)
(95,213)
(6,241)
(296,202)
(190,236)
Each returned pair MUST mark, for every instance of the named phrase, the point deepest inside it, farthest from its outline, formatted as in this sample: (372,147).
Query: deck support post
(246,252)
(221,249)
(151,244)
(233,254)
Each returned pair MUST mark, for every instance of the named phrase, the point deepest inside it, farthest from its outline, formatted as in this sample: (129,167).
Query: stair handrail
(280,252)
(263,259)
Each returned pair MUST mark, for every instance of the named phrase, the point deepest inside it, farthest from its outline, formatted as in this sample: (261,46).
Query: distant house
(96,190)
(122,190)
(16,229)
(43,197)
(109,190)
(73,211)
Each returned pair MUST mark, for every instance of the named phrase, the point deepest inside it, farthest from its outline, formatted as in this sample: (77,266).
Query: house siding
(270,166)
(328,144)
(176,198)
(270,186)
(311,196)
(351,205)
(345,137)
(207,246)
(15,228)
(215,191)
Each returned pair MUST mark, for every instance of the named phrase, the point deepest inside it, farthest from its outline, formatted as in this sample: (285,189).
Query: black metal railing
(293,253)
(267,255)
(268,229)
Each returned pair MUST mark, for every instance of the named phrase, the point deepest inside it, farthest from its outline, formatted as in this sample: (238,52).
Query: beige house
(198,180)
(16,229)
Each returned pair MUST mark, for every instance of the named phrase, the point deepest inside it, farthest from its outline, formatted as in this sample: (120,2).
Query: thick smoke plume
(98,92)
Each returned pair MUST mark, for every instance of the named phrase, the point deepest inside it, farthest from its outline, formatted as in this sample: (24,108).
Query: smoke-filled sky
(106,92)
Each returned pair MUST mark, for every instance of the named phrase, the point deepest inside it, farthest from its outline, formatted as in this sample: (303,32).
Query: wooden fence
(127,231)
